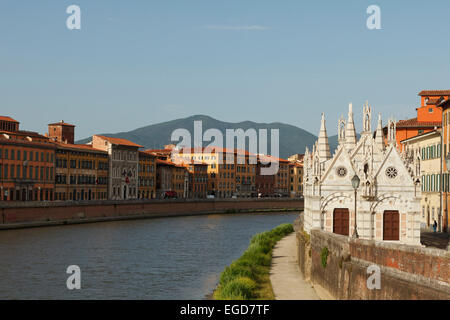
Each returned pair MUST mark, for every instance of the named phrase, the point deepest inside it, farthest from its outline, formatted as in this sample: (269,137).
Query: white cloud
(255,27)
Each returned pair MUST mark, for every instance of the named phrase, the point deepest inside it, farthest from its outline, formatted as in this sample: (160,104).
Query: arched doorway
(341,221)
(391,223)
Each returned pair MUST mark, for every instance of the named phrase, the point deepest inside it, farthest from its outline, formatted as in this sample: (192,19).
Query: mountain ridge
(292,139)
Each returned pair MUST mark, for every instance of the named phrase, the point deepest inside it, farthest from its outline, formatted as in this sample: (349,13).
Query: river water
(163,258)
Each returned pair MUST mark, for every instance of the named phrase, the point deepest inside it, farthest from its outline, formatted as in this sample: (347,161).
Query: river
(162,258)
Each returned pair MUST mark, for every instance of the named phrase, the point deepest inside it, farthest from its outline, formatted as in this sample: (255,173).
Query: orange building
(27,164)
(81,170)
(429,117)
(227,177)
(147,175)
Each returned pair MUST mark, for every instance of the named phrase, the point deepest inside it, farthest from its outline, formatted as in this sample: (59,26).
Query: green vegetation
(324,256)
(248,277)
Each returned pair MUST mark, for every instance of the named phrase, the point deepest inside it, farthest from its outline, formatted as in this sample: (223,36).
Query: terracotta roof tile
(61,123)
(6,118)
(119,141)
(434,93)
(86,147)
(420,124)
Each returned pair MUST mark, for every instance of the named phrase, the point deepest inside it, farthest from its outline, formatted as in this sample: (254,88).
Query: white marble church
(387,184)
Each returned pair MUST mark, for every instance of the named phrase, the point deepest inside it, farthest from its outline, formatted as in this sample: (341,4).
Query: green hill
(292,139)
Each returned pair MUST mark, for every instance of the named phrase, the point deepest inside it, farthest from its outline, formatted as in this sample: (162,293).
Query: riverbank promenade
(287,281)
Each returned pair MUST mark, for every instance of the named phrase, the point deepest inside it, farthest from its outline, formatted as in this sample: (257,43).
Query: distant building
(26,164)
(123,166)
(171,180)
(296,179)
(387,195)
(231,172)
(198,180)
(81,171)
(147,176)
(265,184)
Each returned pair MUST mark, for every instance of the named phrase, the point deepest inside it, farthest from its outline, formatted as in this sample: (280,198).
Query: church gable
(340,171)
(392,171)
(366,149)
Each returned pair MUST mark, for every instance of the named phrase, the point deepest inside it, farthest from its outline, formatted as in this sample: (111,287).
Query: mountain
(292,139)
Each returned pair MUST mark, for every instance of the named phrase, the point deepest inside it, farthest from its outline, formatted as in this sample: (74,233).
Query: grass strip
(247,278)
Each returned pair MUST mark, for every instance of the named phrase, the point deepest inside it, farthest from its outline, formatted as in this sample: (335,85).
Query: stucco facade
(428,146)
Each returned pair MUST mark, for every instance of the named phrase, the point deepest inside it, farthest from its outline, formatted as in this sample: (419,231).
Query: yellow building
(427,146)
(225,180)
(147,176)
(295,179)
(445,106)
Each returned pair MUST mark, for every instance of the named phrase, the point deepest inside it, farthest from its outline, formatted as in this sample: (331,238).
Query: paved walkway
(287,281)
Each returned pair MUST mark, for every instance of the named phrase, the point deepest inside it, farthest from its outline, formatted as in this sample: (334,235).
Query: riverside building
(26,164)
(81,171)
(123,155)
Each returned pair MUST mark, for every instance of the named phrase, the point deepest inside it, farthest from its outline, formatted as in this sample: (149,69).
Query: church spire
(367,118)
(379,135)
(350,133)
(324,147)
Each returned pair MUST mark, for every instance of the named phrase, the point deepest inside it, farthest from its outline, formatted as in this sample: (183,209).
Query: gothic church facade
(386,204)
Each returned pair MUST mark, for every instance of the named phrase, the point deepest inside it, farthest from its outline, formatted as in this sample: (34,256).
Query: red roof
(169,163)
(434,93)
(214,149)
(413,123)
(119,141)
(61,123)
(86,147)
(6,118)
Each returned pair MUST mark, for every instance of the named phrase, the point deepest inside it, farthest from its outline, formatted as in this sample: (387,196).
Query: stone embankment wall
(407,272)
(29,214)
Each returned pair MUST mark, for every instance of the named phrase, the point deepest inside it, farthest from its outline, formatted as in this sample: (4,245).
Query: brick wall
(407,272)
(20,214)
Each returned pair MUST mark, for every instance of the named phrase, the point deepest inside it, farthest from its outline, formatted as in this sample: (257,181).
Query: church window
(341,171)
(391,172)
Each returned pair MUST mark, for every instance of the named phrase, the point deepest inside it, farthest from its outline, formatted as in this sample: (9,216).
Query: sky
(136,63)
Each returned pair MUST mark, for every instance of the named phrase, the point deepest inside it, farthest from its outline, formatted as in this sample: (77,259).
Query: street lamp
(355,184)
(447,165)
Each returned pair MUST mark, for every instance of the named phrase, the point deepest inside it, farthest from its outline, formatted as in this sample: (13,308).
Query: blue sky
(135,63)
